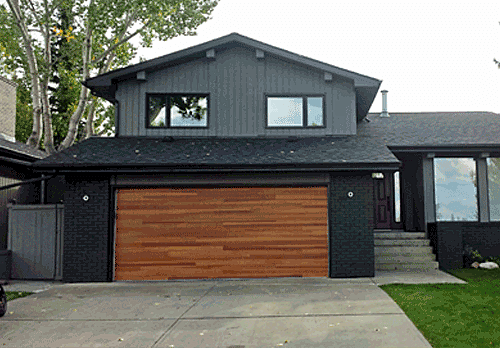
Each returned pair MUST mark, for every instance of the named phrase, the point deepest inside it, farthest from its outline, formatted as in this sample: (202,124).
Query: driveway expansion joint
(169,329)
(272,316)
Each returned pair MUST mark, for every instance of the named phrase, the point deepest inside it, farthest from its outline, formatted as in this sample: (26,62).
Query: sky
(430,55)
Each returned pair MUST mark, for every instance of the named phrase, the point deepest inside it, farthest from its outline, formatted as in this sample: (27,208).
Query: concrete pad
(49,334)
(108,303)
(255,300)
(99,307)
(311,281)
(335,331)
(427,277)
(34,286)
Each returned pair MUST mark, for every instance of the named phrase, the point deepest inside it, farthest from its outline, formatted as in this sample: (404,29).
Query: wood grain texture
(238,232)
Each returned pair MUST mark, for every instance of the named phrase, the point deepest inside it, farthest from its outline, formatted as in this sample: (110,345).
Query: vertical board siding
(237,83)
(34,238)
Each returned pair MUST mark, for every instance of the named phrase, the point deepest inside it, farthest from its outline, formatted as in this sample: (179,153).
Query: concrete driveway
(287,312)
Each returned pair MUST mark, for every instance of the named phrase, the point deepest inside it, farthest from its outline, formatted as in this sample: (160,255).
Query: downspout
(43,187)
(117,118)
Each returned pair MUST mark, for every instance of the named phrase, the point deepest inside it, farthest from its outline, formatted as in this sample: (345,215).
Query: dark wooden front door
(382,201)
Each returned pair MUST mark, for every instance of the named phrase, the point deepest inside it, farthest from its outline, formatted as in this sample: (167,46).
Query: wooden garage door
(251,232)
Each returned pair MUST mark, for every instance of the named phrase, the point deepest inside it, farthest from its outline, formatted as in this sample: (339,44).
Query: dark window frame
(168,115)
(304,110)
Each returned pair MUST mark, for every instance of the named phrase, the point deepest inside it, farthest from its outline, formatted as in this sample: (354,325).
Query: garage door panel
(179,233)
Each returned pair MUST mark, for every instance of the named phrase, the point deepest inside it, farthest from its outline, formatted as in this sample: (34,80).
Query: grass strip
(454,315)
(12,295)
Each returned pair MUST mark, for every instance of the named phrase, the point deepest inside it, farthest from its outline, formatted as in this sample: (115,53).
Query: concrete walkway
(289,312)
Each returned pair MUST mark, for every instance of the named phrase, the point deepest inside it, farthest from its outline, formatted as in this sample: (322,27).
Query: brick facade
(449,240)
(351,226)
(86,229)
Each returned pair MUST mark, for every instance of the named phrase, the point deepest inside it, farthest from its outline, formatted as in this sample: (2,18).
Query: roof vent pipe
(384,112)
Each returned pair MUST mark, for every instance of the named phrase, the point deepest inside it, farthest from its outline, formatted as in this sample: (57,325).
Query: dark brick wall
(449,240)
(446,240)
(484,237)
(86,229)
(351,226)
(55,188)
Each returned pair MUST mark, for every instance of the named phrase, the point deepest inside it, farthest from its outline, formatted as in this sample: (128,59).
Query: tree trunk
(89,127)
(84,92)
(48,139)
(36,134)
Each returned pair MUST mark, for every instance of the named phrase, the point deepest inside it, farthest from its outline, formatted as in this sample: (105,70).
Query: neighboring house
(15,160)
(275,171)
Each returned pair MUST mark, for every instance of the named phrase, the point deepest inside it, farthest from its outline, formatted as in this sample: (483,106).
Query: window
(455,189)
(397,198)
(177,110)
(494,187)
(295,111)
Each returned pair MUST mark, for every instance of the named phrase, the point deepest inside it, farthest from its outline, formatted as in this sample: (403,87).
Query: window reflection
(494,187)
(397,198)
(455,189)
(314,111)
(283,111)
(157,107)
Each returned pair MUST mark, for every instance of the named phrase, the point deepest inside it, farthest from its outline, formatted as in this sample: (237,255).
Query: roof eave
(193,168)
(107,80)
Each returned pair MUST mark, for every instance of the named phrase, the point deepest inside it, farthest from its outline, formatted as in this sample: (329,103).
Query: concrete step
(402,242)
(385,230)
(399,235)
(403,250)
(430,265)
(404,258)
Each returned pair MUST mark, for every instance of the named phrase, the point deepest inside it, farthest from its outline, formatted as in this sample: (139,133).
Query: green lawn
(12,295)
(454,315)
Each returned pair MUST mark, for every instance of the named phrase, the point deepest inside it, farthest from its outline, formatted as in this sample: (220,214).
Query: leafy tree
(54,45)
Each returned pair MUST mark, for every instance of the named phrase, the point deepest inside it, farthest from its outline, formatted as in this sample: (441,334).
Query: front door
(382,200)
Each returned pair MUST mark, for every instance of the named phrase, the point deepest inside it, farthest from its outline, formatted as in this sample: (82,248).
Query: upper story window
(177,110)
(295,111)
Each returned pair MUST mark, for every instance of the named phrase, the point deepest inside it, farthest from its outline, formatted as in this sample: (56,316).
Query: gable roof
(20,150)
(186,154)
(104,85)
(434,129)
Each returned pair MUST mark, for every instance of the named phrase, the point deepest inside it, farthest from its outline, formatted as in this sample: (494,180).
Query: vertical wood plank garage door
(245,232)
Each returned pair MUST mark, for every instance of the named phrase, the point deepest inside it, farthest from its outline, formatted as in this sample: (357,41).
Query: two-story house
(237,159)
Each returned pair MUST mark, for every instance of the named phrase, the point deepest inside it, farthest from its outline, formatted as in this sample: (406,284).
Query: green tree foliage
(24,112)
(54,45)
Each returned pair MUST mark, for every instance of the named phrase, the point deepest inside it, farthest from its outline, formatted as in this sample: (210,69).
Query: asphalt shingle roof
(192,152)
(434,128)
(22,149)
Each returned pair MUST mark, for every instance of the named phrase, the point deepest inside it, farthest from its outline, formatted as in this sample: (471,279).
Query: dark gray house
(237,159)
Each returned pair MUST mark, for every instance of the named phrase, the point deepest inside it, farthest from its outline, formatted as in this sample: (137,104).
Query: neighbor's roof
(20,150)
(434,129)
(103,85)
(183,154)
